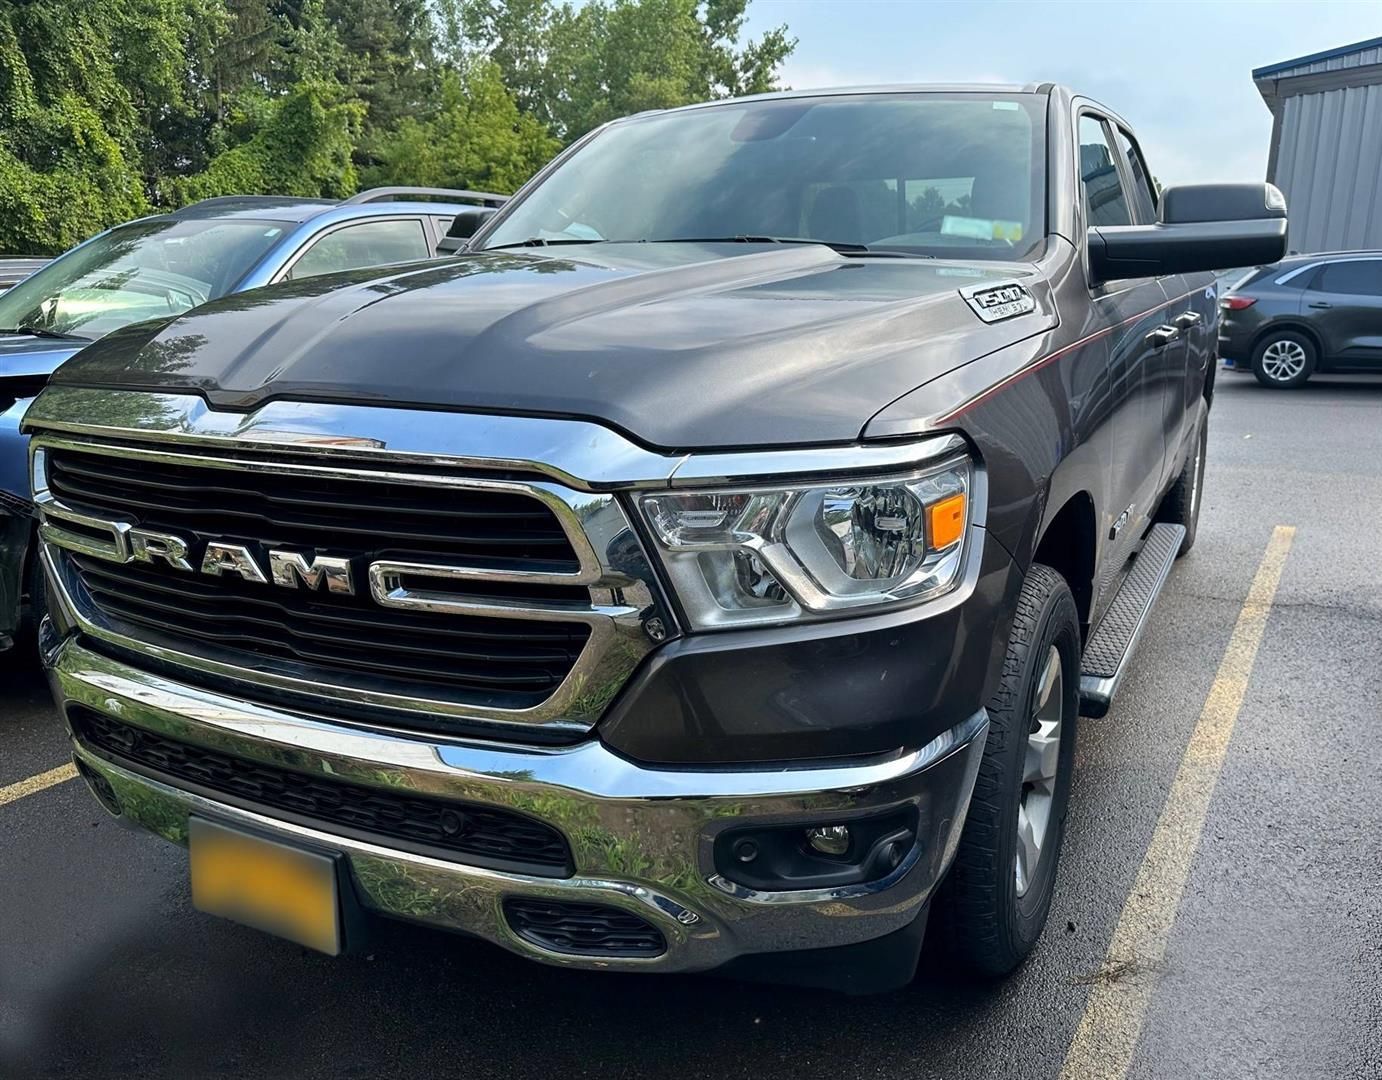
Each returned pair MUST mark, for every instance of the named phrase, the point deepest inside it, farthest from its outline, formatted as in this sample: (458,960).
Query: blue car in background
(164,265)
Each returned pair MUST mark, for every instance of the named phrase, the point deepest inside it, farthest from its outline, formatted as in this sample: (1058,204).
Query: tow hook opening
(100,787)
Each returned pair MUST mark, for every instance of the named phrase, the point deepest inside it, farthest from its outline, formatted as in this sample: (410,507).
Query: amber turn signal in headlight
(945,521)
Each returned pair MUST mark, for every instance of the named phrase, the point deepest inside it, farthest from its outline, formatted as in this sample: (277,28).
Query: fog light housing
(829,839)
(815,855)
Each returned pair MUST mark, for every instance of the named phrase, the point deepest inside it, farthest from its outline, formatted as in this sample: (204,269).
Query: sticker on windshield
(981,228)
(999,300)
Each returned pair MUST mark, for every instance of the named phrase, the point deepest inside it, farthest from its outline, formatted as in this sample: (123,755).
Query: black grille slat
(325,637)
(212,621)
(67,468)
(358,658)
(214,610)
(583,929)
(280,530)
(467,523)
(488,836)
(389,620)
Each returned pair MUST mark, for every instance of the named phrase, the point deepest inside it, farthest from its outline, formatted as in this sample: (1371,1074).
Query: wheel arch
(1068,543)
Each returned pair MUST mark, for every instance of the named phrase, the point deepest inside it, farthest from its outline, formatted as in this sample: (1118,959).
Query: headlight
(759,555)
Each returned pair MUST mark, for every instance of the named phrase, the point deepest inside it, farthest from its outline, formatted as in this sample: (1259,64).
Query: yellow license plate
(264,884)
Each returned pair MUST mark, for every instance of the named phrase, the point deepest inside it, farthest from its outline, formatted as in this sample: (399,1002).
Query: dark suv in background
(1305,314)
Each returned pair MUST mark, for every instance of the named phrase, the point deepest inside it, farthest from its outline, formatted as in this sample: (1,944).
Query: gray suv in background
(1305,314)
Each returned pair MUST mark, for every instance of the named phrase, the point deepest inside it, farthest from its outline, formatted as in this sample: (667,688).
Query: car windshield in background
(947,175)
(140,271)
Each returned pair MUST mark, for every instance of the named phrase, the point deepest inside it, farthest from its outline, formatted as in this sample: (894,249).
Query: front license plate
(273,887)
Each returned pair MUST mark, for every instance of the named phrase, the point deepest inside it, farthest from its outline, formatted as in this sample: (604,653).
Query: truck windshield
(139,271)
(946,175)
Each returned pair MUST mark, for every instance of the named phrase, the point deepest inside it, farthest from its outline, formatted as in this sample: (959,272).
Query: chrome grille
(355,514)
(478,597)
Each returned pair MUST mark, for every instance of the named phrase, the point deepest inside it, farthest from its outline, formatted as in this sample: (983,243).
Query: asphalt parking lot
(1263,915)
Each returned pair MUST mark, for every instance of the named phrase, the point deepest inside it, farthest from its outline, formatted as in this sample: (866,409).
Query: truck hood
(25,356)
(681,346)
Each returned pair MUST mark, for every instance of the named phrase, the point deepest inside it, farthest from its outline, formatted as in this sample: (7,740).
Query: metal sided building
(1326,150)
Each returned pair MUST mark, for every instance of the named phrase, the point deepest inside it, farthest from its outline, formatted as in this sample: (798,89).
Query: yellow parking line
(1112,1022)
(35,784)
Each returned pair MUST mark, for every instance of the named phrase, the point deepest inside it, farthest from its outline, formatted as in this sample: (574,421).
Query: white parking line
(1107,1037)
(35,784)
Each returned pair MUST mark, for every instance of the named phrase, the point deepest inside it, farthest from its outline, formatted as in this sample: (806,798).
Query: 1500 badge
(1000,300)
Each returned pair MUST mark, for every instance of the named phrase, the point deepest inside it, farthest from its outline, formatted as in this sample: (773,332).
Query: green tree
(82,89)
(301,147)
(574,67)
(476,139)
(387,57)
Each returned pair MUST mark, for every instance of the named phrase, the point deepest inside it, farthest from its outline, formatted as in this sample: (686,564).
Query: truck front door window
(1143,191)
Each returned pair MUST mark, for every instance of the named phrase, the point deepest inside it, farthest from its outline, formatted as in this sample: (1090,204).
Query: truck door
(1129,315)
(1178,368)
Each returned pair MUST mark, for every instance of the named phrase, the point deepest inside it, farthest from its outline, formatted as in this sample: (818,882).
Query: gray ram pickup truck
(702,570)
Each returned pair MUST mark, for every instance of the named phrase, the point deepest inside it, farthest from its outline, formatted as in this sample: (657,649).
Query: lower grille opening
(583,929)
(479,835)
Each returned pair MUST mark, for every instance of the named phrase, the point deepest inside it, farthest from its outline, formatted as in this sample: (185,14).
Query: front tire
(993,905)
(1284,359)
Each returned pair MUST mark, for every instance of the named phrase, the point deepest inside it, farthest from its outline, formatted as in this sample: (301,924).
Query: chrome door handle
(1186,319)
(1321,304)
(1162,336)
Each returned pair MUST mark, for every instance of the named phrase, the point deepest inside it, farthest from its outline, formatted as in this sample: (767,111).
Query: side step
(1111,646)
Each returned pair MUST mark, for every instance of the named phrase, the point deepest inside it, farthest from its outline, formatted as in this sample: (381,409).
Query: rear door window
(370,243)
(1360,278)
(1106,203)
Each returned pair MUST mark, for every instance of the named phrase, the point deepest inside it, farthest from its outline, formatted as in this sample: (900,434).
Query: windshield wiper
(843,247)
(539,241)
(43,332)
(743,238)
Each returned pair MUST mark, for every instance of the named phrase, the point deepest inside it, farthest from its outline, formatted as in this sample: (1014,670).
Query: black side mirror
(463,226)
(1201,227)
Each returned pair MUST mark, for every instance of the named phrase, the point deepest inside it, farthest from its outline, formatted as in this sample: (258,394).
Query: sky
(1179,71)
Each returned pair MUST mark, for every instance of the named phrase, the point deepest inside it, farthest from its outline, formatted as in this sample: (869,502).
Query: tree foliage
(112,110)
(302,147)
(576,66)
(475,138)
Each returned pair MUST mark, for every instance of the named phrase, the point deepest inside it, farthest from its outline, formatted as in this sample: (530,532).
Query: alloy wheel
(1283,361)
(1039,771)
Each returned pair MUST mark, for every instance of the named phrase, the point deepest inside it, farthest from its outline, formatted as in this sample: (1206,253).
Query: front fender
(16,524)
(14,451)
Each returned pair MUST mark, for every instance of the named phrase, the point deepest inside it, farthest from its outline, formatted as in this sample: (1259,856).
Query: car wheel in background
(1284,359)
(993,904)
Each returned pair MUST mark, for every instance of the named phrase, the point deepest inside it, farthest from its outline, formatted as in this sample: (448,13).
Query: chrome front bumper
(641,838)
